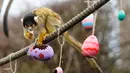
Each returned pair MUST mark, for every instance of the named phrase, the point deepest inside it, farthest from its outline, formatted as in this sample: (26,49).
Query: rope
(61,47)
(64,28)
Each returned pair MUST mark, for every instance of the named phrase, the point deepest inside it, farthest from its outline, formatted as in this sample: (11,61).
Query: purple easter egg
(58,70)
(41,53)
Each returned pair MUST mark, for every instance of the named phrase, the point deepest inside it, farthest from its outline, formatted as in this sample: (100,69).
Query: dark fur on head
(28,20)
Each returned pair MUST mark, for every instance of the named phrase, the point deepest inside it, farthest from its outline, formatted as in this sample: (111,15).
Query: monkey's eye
(26,26)
(31,25)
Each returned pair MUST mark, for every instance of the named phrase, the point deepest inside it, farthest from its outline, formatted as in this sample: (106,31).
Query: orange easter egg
(90,46)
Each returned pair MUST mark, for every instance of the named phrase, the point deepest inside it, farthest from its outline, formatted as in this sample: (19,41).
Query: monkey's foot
(38,42)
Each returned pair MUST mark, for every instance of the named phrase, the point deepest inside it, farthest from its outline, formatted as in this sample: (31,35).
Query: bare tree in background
(72,61)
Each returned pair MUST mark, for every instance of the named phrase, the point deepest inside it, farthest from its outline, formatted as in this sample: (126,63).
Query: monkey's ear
(36,18)
(22,20)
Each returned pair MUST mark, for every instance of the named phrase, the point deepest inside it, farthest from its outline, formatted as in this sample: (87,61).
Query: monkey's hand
(28,35)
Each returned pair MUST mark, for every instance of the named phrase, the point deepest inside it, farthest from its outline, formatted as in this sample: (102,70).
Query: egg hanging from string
(88,22)
(42,53)
(121,15)
(90,47)
(58,70)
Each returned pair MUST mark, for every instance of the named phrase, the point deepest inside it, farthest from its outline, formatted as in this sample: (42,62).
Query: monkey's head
(29,23)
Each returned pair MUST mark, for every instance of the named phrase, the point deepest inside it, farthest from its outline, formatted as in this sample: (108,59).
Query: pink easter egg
(58,70)
(90,46)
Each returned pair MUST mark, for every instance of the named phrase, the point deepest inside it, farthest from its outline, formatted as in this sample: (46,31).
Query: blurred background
(113,36)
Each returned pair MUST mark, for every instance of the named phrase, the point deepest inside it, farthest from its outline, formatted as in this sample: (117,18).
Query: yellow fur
(51,20)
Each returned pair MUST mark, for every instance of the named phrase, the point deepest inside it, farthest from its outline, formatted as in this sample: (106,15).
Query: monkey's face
(29,24)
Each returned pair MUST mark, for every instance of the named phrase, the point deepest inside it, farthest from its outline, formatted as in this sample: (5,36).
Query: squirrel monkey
(44,21)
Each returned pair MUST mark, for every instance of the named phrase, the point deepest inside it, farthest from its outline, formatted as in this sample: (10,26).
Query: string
(4,69)
(15,66)
(61,46)
(11,68)
(120,4)
(87,2)
(94,25)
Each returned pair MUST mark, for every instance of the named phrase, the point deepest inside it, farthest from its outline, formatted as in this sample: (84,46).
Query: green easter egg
(121,15)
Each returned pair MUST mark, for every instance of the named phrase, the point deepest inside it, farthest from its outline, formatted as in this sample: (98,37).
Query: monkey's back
(52,19)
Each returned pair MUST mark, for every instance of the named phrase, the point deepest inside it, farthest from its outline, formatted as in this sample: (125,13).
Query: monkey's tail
(78,46)
(72,41)
(5,20)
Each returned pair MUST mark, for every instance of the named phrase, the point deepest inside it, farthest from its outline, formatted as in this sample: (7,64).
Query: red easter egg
(90,46)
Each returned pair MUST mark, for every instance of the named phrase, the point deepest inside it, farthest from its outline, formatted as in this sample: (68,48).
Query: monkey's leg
(40,39)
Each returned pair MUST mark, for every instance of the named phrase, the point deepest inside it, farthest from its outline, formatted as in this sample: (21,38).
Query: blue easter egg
(121,15)
(88,22)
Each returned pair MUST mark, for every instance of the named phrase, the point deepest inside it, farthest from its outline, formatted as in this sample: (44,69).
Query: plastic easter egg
(90,46)
(121,15)
(87,22)
(41,53)
(58,70)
